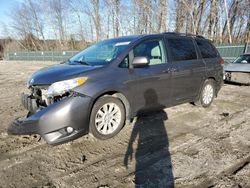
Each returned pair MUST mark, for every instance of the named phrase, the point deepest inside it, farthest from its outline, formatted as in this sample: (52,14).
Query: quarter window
(207,49)
(153,49)
(181,49)
(124,63)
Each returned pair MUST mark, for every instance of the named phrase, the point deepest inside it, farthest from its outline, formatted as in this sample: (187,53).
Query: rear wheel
(107,117)
(207,94)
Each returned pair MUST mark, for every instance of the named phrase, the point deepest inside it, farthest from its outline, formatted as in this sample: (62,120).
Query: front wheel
(107,117)
(207,94)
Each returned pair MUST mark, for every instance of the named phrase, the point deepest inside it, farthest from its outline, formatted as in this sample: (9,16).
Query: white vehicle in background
(239,70)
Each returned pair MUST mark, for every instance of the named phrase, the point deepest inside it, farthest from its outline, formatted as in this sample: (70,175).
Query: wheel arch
(199,94)
(216,84)
(118,95)
(211,78)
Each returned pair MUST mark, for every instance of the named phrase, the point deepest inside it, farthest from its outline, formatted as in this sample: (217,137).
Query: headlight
(30,82)
(61,87)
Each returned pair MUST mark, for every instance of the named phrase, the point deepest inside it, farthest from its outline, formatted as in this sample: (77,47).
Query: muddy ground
(184,145)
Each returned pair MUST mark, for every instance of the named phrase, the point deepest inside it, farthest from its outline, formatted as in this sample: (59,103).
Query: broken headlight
(61,87)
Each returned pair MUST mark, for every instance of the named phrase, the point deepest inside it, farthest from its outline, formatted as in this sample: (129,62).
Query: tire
(107,117)
(207,94)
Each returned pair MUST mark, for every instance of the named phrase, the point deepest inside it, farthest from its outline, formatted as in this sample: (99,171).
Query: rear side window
(206,48)
(181,49)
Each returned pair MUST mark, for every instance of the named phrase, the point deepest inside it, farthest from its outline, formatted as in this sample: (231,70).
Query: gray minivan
(104,86)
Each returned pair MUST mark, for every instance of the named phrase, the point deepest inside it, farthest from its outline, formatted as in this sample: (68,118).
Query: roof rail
(184,34)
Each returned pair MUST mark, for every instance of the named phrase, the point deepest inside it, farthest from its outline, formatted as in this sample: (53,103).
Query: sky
(6,6)
(5,9)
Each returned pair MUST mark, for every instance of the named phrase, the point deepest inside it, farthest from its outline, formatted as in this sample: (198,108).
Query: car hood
(237,67)
(55,73)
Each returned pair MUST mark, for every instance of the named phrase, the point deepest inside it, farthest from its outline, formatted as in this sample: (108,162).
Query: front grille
(29,103)
(40,93)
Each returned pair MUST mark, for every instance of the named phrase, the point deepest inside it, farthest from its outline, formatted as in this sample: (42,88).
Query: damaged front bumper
(237,77)
(59,122)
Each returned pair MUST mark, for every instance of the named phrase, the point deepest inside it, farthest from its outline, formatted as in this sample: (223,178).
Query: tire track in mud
(25,144)
(232,170)
(89,168)
(241,157)
(109,163)
(26,153)
(106,162)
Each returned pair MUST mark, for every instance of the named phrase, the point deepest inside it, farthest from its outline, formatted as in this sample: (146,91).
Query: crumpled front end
(237,77)
(57,119)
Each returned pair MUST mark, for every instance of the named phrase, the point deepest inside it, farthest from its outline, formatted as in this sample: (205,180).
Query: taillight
(221,61)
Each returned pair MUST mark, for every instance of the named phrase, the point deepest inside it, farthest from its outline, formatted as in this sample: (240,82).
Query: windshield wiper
(82,62)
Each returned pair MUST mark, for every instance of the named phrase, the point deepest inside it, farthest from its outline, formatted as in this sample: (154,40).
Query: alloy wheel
(208,94)
(108,118)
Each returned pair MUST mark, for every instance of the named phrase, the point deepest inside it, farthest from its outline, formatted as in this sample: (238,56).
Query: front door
(154,81)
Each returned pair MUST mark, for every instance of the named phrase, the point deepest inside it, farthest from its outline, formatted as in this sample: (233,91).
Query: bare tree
(114,16)
(212,17)
(77,7)
(58,13)
(24,26)
(72,22)
(117,10)
(162,16)
(94,13)
(180,15)
(227,23)
(36,15)
(199,15)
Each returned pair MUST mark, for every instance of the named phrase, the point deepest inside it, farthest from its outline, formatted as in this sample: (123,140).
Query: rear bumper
(60,122)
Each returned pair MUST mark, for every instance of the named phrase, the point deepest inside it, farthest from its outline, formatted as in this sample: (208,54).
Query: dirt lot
(185,145)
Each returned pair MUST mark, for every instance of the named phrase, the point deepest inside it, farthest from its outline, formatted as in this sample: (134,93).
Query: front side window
(153,50)
(101,53)
(181,49)
(207,49)
(244,59)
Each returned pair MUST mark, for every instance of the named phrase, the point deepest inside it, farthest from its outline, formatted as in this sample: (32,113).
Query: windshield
(244,59)
(101,53)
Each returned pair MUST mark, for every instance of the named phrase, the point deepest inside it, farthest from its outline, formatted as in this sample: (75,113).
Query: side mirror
(139,62)
(244,61)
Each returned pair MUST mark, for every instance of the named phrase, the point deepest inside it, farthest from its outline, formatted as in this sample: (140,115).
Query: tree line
(75,24)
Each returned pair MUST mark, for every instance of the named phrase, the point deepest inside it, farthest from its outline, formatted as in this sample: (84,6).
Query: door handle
(170,70)
(166,71)
(174,69)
